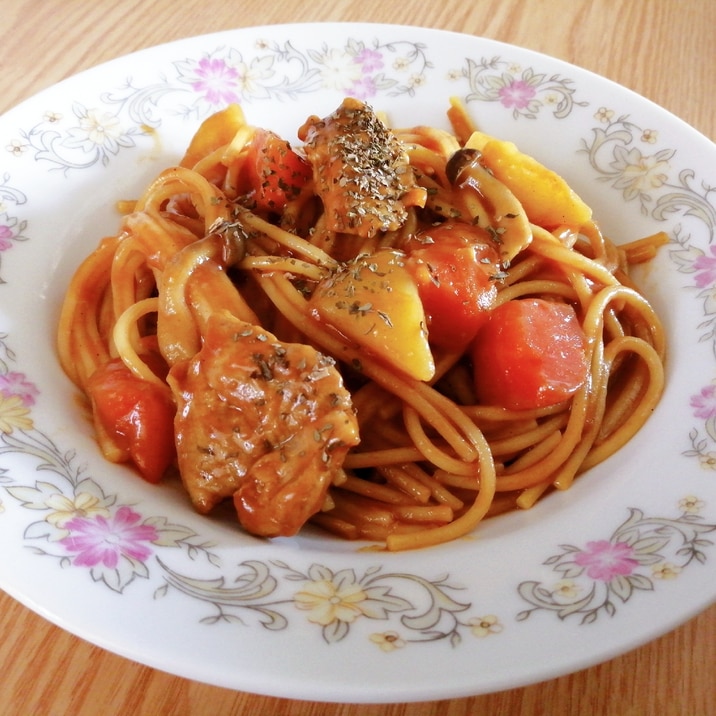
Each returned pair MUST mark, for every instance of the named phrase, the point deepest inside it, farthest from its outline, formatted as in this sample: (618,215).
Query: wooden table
(663,49)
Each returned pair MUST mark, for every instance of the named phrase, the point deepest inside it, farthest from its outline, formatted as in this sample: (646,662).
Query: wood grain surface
(663,49)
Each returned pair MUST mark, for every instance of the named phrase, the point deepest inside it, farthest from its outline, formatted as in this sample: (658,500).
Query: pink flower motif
(363,88)
(15,384)
(6,236)
(705,266)
(605,560)
(371,60)
(102,540)
(517,94)
(704,403)
(217,81)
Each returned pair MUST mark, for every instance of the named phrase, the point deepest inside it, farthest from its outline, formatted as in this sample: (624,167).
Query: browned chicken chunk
(360,170)
(265,422)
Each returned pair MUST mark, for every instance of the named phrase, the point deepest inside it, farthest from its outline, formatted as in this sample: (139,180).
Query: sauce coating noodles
(278,322)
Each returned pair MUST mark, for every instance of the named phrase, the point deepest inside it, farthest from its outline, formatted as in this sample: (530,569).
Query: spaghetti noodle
(392,334)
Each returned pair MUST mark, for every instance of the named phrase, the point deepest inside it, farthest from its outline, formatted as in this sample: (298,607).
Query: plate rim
(373,27)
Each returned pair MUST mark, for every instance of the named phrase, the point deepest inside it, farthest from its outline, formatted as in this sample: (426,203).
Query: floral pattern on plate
(639,553)
(12,227)
(198,86)
(334,600)
(523,89)
(89,135)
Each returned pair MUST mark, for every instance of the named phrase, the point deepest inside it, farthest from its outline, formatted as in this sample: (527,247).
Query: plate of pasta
(394,350)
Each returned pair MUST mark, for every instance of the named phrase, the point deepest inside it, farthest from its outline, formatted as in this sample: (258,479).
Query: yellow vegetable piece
(214,132)
(545,196)
(374,302)
(478,140)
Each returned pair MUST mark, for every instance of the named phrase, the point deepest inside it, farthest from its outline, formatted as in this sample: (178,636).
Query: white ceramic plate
(624,556)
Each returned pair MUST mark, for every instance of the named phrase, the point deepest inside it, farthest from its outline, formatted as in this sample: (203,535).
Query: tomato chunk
(453,266)
(138,415)
(531,353)
(275,173)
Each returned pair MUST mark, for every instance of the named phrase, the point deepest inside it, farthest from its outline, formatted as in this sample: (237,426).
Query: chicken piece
(266,422)
(361,171)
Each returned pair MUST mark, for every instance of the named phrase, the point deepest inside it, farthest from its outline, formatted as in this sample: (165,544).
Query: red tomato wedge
(137,414)
(453,266)
(531,353)
(275,173)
